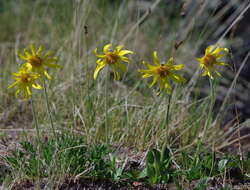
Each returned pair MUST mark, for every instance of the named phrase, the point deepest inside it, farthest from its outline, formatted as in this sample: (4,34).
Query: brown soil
(90,184)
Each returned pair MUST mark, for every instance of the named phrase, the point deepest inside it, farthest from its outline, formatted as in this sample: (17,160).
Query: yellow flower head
(163,73)
(25,81)
(37,62)
(211,59)
(113,58)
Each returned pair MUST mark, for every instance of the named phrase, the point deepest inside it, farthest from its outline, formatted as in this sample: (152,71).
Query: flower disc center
(24,77)
(35,61)
(163,71)
(209,60)
(111,58)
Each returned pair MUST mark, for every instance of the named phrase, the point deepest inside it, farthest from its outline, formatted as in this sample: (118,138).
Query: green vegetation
(69,157)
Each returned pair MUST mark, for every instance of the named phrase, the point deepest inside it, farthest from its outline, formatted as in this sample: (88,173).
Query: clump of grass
(75,159)
(67,154)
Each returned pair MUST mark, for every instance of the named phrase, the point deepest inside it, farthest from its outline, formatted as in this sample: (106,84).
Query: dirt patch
(93,184)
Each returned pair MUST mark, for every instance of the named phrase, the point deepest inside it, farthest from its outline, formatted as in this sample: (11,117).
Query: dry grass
(127,113)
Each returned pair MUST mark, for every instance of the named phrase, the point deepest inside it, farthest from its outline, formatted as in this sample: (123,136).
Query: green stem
(200,142)
(37,133)
(106,107)
(89,103)
(209,115)
(36,123)
(168,110)
(87,60)
(49,110)
(166,121)
(168,116)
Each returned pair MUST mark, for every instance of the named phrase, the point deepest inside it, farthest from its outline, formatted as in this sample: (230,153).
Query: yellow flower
(25,81)
(37,62)
(113,58)
(163,73)
(211,59)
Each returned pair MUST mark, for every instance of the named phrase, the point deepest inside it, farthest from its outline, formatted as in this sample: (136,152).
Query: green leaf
(154,180)
(165,154)
(222,164)
(150,157)
(194,173)
(157,156)
(165,178)
(208,161)
(150,171)
(142,174)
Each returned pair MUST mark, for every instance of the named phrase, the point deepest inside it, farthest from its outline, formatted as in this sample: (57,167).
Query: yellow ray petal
(170,61)
(47,75)
(33,49)
(209,49)
(125,59)
(155,58)
(98,68)
(17,92)
(167,84)
(210,74)
(22,56)
(125,52)
(106,48)
(29,92)
(36,86)
(98,55)
(154,81)
(178,67)
(14,84)
(221,63)
(219,51)
(39,51)
(147,75)
(118,48)
(27,53)
(177,78)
